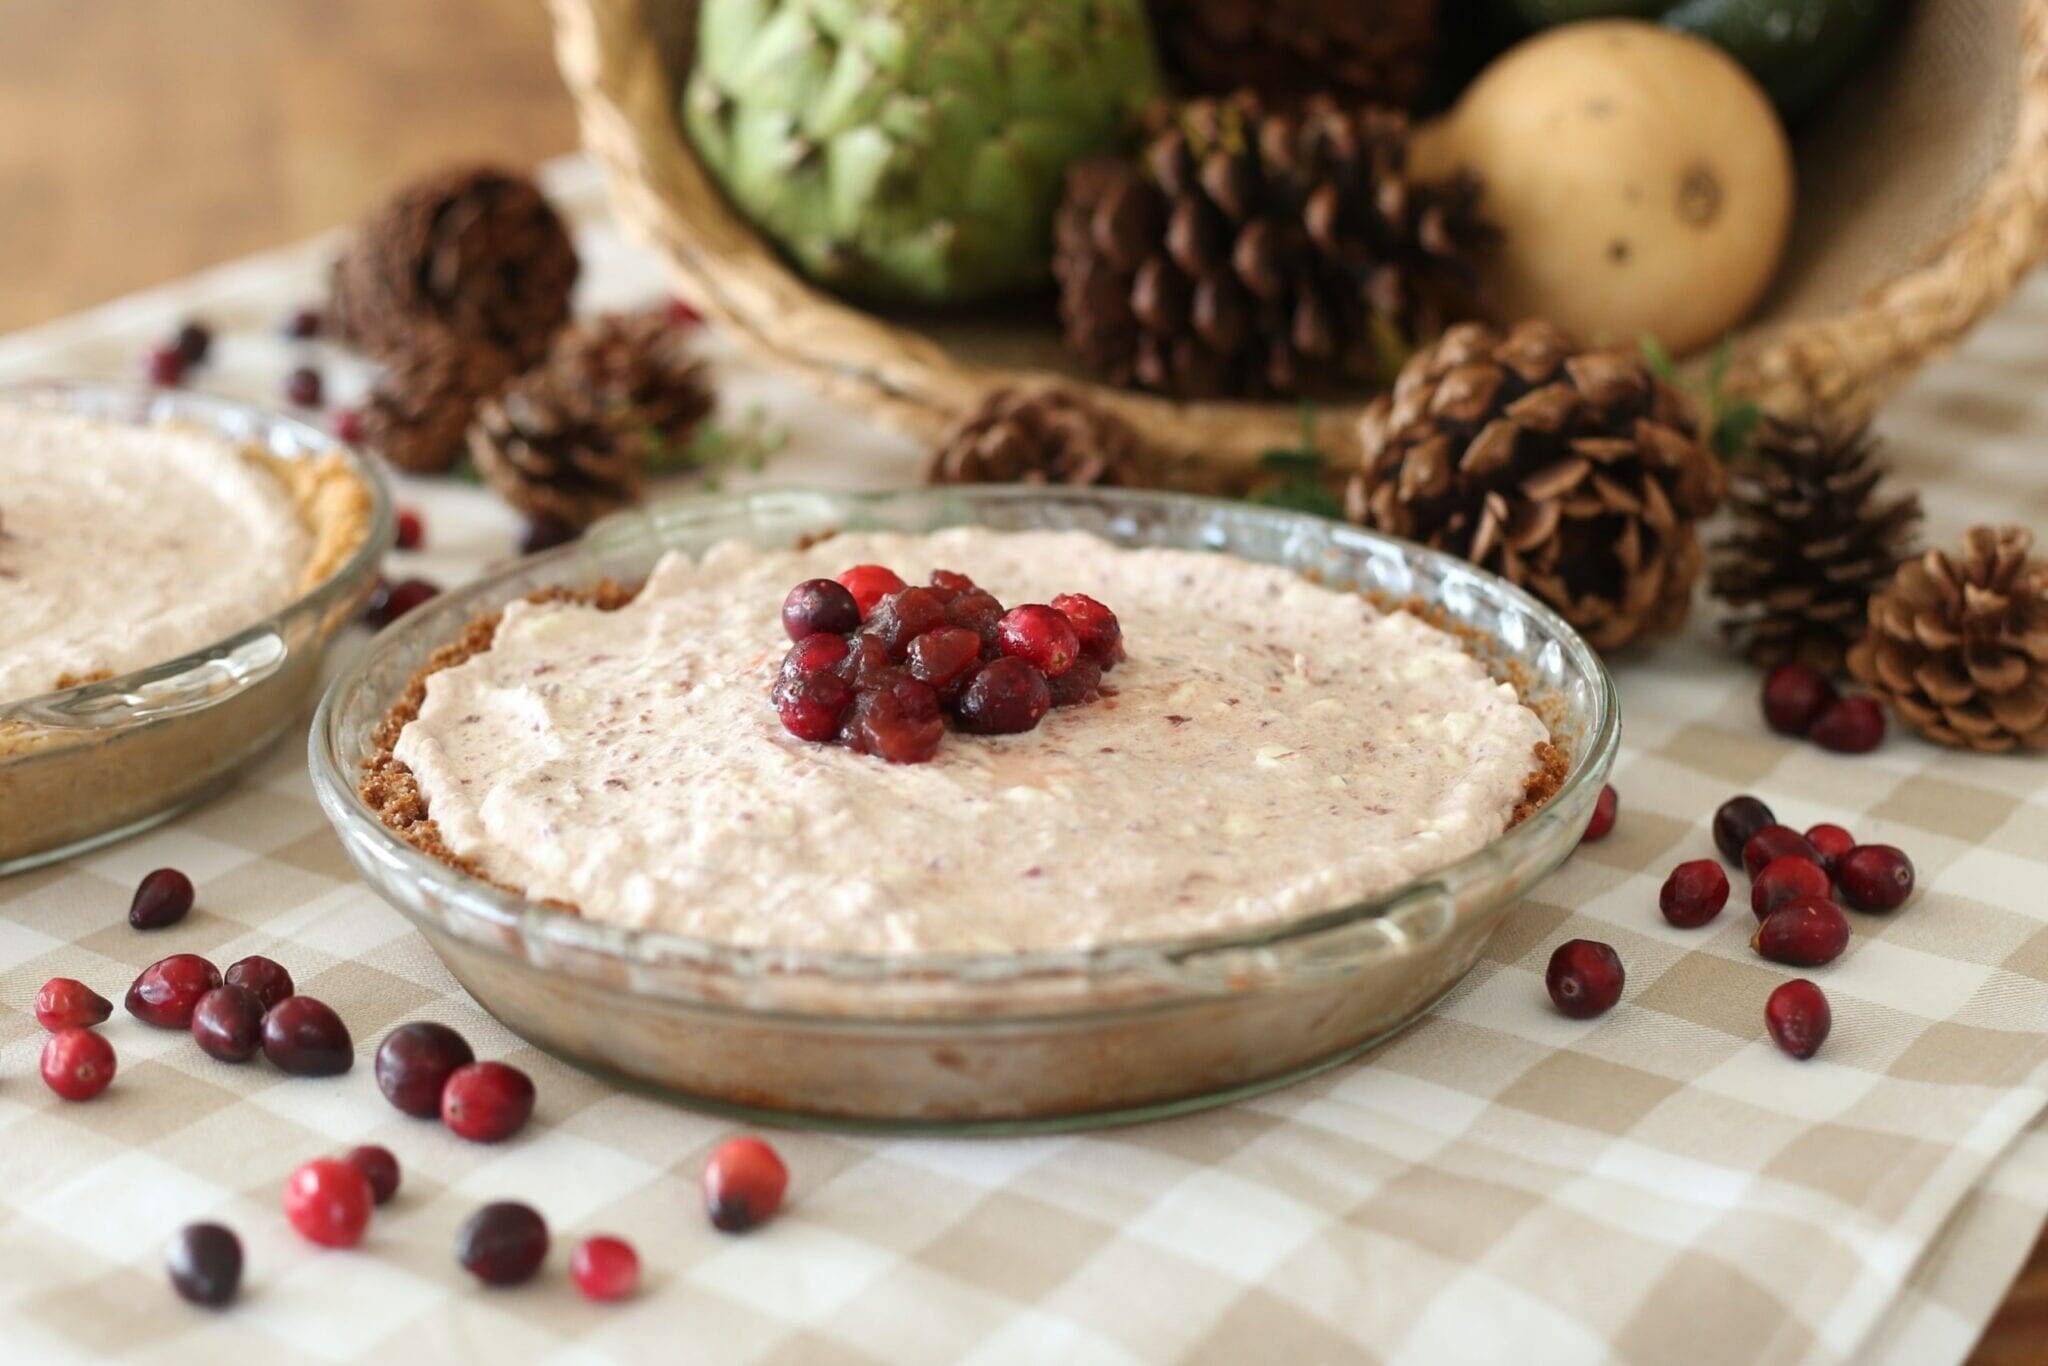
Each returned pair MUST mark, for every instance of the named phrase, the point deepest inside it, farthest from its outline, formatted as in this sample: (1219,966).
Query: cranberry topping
(486,1101)
(818,606)
(898,721)
(979,612)
(869,584)
(1773,842)
(1096,627)
(952,582)
(77,1063)
(503,1243)
(1798,1017)
(1694,893)
(744,1181)
(1830,842)
(605,1268)
(306,1038)
(1805,933)
(414,1063)
(204,1262)
(1007,697)
(811,705)
(169,989)
(228,1024)
(1876,877)
(813,654)
(412,532)
(1584,978)
(161,899)
(66,1003)
(1793,696)
(328,1201)
(378,1166)
(304,387)
(1080,684)
(1786,878)
(1041,636)
(944,657)
(1851,725)
(1605,808)
(390,601)
(902,617)
(867,663)
(1736,823)
(265,977)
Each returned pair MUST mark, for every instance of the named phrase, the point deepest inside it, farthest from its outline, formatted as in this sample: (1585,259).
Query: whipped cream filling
(123,546)
(1273,748)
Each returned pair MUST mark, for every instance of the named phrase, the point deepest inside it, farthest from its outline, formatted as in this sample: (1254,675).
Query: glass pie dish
(90,764)
(990,1041)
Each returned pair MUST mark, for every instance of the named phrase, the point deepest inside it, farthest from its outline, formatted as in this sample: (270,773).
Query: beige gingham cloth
(1497,1183)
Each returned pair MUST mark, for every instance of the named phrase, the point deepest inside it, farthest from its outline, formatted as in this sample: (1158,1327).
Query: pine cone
(421,405)
(1811,543)
(1577,475)
(1958,644)
(1045,436)
(1378,50)
(1261,252)
(475,250)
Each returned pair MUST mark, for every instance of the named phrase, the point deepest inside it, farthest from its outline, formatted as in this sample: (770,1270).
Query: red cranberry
(980,613)
(1605,807)
(813,654)
(264,976)
(348,426)
(228,1024)
(951,581)
(1736,824)
(161,900)
(545,532)
(1082,683)
(390,601)
(378,1167)
(744,1181)
(605,1268)
(306,1038)
(1793,696)
(205,1264)
(486,1101)
(818,606)
(1100,634)
(1876,877)
(1584,978)
(869,584)
(1007,697)
(304,387)
(1041,636)
(1694,893)
(867,663)
(412,532)
(66,1003)
(811,705)
(1798,1017)
(77,1063)
(328,1201)
(1784,879)
(681,314)
(1850,725)
(503,1243)
(1775,842)
(193,342)
(902,617)
(169,989)
(1804,933)
(165,367)
(945,657)
(303,324)
(414,1063)
(1830,842)
(898,721)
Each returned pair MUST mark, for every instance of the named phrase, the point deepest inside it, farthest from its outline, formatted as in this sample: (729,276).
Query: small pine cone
(1578,475)
(476,251)
(1958,644)
(420,407)
(1261,252)
(1377,50)
(1045,436)
(637,368)
(1811,543)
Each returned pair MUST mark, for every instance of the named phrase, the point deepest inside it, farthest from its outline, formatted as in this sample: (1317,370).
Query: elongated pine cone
(1043,436)
(1578,475)
(1958,643)
(1812,541)
(1261,252)
(1377,50)
(474,250)
(422,404)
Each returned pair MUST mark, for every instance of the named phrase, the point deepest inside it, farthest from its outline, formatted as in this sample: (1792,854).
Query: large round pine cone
(1377,50)
(476,251)
(1812,541)
(1042,436)
(422,404)
(1958,644)
(1260,252)
(1578,475)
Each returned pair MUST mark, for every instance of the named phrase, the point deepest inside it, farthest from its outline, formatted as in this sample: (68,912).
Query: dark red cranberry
(813,654)
(193,342)
(1805,933)
(164,366)
(66,1003)
(1876,877)
(1584,978)
(902,617)
(264,976)
(486,1101)
(161,900)
(1793,696)
(169,989)
(1100,634)
(1830,842)
(503,1243)
(306,1038)
(205,1264)
(867,663)
(605,1268)
(304,387)
(980,613)
(1694,893)
(348,426)
(545,532)
(390,601)
(1007,697)
(328,1201)
(1798,1017)
(944,657)
(77,1063)
(681,314)
(898,721)
(1736,824)
(1041,636)
(1082,683)
(744,1181)
(952,582)
(869,584)
(303,324)
(1849,725)
(228,1024)
(1775,842)
(378,1166)
(818,606)
(414,1063)
(1786,878)
(1605,807)
(811,705)
(412,532)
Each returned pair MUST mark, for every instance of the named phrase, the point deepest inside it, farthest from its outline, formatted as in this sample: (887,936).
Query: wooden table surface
(141,140)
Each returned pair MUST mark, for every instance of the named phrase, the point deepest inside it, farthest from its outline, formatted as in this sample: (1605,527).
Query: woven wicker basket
(1923,201)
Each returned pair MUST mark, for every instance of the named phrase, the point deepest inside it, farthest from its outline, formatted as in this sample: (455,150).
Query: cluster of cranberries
(429,1071)
(168,362)
(880,666)
(1800,700)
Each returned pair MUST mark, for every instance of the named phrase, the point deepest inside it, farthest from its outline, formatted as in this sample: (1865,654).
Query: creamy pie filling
(1273,748)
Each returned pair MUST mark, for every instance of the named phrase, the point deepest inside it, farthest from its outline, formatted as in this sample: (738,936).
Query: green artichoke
(913,151)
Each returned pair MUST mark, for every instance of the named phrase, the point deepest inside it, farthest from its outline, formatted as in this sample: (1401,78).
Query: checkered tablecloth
(1496,1183)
